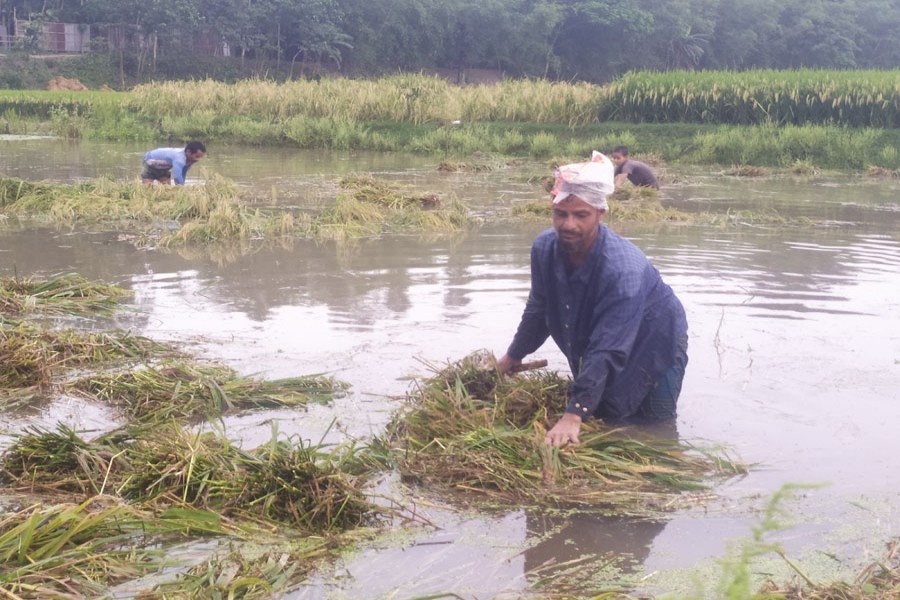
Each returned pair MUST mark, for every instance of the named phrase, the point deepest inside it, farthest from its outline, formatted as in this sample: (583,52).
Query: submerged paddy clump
(629,204)
(167,465)
(32,356)
(371,206)
(470,430)
(186,389)
(214,213)
(66,293)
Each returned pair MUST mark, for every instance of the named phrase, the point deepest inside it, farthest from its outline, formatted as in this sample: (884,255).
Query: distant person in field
(634,171)
(162,164)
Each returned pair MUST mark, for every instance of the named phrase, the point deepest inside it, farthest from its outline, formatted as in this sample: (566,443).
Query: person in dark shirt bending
(622,329)
(634,171)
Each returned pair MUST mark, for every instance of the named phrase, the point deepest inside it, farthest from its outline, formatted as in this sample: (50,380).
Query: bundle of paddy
(29,355)
(366,188)
(881,172)
(446,166)
(185,389)
(373,207)
(747,171)
(67,293)
(168,465)
(73,551)
(62,461)
(471,430)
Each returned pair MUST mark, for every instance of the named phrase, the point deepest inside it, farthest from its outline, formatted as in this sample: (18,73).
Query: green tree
(818,33)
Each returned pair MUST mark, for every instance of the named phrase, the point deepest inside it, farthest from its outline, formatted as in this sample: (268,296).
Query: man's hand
(565,431)
(507,364)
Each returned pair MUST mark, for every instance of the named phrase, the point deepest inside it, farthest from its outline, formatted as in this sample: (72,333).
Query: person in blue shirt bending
(622,329)
(162,164)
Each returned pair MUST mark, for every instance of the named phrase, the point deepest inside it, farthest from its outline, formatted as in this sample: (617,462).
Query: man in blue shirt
(161,164)
(622,329)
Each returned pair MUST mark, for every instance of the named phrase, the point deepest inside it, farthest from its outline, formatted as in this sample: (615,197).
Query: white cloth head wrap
(590,181)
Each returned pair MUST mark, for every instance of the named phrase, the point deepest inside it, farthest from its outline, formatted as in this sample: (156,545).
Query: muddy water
(794,352)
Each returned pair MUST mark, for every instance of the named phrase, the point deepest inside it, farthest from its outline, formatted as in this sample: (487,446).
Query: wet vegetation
(67,293)
(469,429)
(215,212)
(277,511)
(467,434)
(157,479)
(34,356)
(833,119)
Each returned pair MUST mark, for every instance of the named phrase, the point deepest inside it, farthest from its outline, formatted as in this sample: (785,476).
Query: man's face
(618,158)
(577,224)
(193,157)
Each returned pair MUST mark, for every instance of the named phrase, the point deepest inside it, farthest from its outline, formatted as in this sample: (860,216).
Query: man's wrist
(571,416)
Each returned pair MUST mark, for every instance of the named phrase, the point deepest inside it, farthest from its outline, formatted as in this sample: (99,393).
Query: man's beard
(572,247)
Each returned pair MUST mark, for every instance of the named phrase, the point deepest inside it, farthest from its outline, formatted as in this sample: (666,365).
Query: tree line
(591,40)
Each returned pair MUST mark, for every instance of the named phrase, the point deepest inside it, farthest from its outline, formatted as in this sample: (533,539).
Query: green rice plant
(782,146)
(889,156)
(512,143)
(63,293)
(543,145)
(799,97)
(66,551)
(469,429)
(184,389)
(67,123)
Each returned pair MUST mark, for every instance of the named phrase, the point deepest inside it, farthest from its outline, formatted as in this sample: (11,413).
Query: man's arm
(621,178)
(179,168)
(532,331)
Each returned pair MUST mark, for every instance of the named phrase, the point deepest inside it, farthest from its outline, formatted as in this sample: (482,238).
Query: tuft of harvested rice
(469,429)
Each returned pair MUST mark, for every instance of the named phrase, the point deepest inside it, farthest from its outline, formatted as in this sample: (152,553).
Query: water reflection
(578,549)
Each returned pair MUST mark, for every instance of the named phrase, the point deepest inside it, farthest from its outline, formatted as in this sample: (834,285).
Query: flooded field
(794,354)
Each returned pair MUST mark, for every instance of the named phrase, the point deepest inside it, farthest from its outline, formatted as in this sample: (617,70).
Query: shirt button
(567,326)
(577,405)
(584,409)
(567,307)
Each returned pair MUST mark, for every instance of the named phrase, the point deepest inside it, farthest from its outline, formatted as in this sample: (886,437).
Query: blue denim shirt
(619,325)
